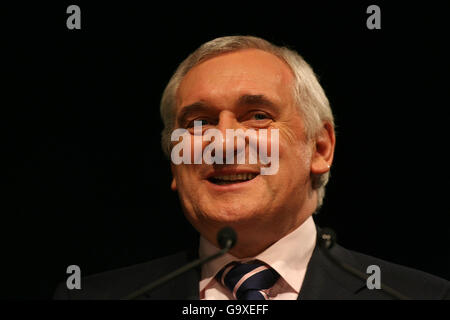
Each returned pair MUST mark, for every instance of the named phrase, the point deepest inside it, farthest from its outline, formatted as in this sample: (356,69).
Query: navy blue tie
(248,281)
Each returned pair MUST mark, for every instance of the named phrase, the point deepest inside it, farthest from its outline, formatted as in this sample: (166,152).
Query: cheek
(295,157)
(291,131)
(288,137)
(292,139)
(183,177)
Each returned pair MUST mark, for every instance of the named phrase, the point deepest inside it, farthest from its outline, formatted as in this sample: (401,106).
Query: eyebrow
(256,100)
(244,100)
(199,106)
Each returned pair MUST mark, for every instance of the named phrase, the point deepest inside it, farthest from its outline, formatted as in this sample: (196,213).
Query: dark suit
(323,280)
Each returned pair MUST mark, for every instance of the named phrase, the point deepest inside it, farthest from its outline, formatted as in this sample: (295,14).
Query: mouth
(232,178)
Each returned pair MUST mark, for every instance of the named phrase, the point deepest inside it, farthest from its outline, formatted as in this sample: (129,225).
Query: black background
(85,180)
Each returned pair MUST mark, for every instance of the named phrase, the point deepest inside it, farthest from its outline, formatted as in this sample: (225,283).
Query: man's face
(247,89)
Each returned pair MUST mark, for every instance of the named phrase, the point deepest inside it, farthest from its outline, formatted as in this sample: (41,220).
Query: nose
(227,120)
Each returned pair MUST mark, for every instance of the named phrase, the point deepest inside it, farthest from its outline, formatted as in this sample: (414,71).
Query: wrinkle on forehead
(245,71)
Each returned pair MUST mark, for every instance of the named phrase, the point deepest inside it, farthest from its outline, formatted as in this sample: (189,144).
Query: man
(247,83)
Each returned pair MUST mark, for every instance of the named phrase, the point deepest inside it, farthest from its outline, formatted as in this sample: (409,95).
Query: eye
(204,122)
(260,116)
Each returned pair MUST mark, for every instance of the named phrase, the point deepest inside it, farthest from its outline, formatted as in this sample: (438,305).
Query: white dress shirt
(289,256)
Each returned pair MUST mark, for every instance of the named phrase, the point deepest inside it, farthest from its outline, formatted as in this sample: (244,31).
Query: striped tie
(247,281)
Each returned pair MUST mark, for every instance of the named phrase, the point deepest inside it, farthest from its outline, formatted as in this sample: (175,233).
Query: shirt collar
(288,256)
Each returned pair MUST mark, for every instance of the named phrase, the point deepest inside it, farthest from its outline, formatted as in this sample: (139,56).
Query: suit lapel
(185,286)
(325,280)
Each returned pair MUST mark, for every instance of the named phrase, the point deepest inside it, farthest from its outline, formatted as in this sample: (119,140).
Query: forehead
(225,78)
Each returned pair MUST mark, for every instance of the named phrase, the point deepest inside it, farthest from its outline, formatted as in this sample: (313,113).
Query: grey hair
(309,95)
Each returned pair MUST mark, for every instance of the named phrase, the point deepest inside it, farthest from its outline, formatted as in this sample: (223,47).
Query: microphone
(327,239)
(226,238)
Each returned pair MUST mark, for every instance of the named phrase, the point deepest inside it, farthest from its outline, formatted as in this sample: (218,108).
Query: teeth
(232,177)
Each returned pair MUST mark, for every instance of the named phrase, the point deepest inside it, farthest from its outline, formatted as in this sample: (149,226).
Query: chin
(234,214)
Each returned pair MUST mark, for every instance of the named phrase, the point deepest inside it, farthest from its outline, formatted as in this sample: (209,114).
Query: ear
(323,150)
(173,185)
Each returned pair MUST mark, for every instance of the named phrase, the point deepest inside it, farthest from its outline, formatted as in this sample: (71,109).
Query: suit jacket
(323,280)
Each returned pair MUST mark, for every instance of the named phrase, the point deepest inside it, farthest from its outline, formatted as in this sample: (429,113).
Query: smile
(232,178)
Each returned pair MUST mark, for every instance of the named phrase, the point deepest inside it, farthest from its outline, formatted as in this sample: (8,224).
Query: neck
(251,243)
(254,237)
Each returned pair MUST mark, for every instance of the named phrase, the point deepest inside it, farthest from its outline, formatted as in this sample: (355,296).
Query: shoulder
(115,284)
(413,283)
